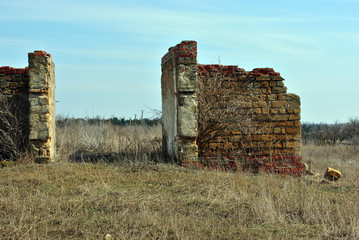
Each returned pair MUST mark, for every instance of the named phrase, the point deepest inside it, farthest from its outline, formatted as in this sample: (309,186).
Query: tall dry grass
(83,200)
(80,141)
(344,158)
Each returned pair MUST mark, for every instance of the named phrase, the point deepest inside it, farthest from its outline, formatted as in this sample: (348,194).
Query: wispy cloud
(128,53)
(70,11)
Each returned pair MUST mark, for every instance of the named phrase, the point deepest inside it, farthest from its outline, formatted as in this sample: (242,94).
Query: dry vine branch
(13,128)
(222,110)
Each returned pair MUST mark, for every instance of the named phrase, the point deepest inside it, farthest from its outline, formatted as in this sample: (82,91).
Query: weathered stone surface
(294,117)
(278,104)
(187,116)
(169,110)
(40,109)
(294,103)
(260,104)
(187,77)
(42,103)
(279,117)
(188,153)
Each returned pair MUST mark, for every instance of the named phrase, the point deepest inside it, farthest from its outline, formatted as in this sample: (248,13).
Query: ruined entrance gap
(29,97)
(216,115)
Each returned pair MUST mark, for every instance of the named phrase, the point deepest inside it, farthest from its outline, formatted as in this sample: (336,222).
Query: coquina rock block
(32,90)
(223,115)
(179,103)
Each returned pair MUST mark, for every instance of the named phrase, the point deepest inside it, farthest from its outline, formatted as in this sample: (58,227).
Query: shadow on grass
(86,157)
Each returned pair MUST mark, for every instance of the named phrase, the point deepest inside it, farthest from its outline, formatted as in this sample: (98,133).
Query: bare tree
(351,130)
(331,134)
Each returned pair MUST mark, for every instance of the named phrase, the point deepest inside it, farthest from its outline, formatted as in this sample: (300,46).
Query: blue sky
(108,53)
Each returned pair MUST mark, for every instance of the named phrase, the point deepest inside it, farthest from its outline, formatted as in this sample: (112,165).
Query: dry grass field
(108,180)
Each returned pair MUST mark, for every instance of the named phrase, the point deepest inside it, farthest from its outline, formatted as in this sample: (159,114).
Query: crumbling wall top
(7,70)
(40,53)
(186,50)
(231,70)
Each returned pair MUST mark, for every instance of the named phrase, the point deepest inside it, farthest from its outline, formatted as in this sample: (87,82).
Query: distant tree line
(61,121)
(125,122)
(331,134)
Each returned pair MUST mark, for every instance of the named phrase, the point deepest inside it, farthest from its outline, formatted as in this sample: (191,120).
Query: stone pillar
(42,106)
(179,103)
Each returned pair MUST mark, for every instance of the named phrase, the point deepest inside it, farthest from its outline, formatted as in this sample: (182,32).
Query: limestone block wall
(179,103)
(265,133)
(233,116)
(32,89)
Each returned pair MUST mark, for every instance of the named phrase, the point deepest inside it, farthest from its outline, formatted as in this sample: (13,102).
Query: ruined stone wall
(179,103)
(233,116)
(32,91)
(262,127)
